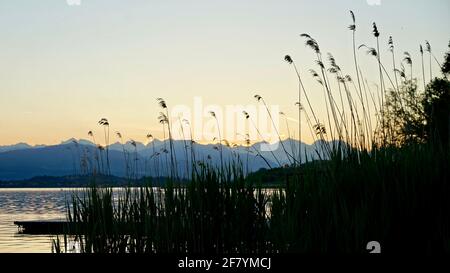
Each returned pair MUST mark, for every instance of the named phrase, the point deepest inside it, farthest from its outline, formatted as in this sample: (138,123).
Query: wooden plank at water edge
(44,227)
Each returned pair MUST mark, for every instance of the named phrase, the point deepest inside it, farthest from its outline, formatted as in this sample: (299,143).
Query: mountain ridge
(23,161)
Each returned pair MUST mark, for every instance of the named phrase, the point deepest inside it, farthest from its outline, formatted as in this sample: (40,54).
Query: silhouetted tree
(419,117)
(424,117)
(436,105)
(446,65)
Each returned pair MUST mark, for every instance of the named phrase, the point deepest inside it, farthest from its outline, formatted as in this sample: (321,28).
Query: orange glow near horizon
(65,67)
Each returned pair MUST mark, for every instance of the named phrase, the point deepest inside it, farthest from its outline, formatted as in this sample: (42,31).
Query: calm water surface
(33,204)
(29,204)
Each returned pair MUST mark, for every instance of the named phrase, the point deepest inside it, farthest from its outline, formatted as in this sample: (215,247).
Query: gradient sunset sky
(62,67)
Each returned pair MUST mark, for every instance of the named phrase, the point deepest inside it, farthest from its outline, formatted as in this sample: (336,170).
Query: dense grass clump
(201,217)
(398,197)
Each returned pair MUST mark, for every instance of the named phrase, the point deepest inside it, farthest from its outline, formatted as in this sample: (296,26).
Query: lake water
(29,204)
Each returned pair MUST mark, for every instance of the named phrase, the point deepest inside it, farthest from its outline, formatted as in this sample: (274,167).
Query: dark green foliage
(446,65)
(411,116)
(403,115)
(436,105)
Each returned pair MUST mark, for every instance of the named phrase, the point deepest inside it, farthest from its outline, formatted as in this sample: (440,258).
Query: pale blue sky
(62,68)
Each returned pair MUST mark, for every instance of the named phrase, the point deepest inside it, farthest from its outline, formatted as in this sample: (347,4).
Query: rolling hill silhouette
(23,161)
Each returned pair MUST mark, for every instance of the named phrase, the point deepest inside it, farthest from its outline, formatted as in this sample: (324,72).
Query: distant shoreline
(79,182)
(267,177)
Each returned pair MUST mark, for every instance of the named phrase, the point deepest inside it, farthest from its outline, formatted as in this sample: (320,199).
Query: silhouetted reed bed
(381,175)
(399,198)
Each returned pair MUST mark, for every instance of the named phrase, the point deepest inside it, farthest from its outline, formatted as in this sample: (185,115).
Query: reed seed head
(288,59)
(103,122)
(352,26)
(375,31)
(427,46)
(310,42)
(391,44)
(162,103)
(407,59)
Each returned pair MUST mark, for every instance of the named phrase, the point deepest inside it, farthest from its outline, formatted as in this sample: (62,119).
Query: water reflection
(39,204)
(26,205)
